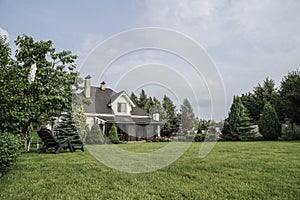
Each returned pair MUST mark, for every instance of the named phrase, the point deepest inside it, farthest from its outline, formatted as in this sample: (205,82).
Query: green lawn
(233,170)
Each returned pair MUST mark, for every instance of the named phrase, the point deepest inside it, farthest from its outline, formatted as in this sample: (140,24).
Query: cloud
(248,41)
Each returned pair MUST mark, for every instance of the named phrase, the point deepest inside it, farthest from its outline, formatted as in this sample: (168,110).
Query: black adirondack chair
(51,142)
(74,138)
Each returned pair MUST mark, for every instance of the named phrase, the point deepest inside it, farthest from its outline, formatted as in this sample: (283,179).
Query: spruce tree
(269,125)
(67,125)
(245,128)
(171,119)
(235,115)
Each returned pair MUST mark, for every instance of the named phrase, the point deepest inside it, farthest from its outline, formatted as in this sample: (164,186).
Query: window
(122,107)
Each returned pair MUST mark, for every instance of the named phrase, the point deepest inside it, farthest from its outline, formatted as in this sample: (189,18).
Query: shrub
(291,132)
(10,148)
(95,135)
(113,135)
(199,137)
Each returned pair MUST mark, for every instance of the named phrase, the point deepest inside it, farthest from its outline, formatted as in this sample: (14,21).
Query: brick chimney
(87,86)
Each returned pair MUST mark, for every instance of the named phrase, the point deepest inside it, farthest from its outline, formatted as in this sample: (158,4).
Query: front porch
(130,129)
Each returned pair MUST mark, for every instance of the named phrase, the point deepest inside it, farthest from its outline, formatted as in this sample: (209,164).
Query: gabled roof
(119,94)
(101,100)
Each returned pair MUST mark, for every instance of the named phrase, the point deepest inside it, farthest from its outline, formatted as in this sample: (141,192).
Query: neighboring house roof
(101,100)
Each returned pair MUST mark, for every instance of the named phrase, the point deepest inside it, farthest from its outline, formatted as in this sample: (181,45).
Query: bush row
(10,148)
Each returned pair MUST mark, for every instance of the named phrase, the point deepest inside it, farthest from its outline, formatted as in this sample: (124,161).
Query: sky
(204,50)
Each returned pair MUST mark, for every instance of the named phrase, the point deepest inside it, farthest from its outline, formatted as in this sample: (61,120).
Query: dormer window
(122,107)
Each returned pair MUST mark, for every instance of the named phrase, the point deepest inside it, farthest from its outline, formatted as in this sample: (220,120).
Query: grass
(233,170)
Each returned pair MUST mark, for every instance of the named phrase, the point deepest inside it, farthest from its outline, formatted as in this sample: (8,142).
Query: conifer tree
(95,136)
(269,125)
(67,125)
(235,115)
(113,135)
(245,128)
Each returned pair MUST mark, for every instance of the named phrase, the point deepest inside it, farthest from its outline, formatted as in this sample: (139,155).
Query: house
(109,107)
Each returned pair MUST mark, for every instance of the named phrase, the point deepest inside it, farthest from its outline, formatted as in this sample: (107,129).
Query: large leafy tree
(269,125)
(5,52)
(290,95)
(36,99)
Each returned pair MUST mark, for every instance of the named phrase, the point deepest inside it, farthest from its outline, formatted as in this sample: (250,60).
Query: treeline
(176,121)
(268,107)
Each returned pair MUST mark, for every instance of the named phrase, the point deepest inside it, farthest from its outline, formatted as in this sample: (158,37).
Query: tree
(171,120)
(134,98)
(142,100)
(5,52)
(269,125)
(95,136)
(245,128)
(254,102)
(239,122)
(80,117)
(235,114)
(187,115)
(290,95)
(226,135)
(67,124)
(113,135)
(37,98)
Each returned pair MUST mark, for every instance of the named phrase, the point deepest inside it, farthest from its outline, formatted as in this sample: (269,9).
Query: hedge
(10,148)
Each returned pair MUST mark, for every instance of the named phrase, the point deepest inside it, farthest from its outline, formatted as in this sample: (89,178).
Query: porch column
(158,130)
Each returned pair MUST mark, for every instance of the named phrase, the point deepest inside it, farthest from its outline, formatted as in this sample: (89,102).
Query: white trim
(126,96)
(114,115)
(106,115)
(92,114)
(140,116)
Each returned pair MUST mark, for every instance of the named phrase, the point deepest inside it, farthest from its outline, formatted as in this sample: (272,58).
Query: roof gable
(101,101)
(117,96)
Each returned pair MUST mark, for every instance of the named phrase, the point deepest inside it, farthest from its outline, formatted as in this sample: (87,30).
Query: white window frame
(122,109)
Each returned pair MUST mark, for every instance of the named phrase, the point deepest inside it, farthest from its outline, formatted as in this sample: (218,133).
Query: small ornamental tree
(95,136)
(269,125)
(113,135)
